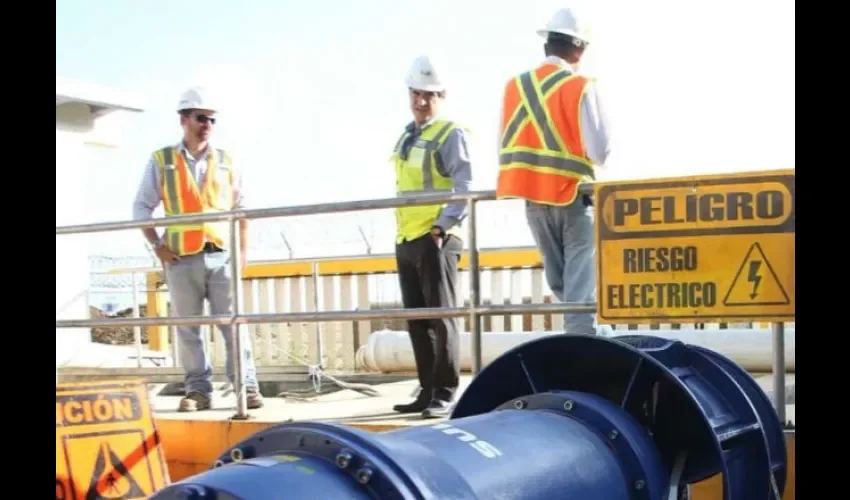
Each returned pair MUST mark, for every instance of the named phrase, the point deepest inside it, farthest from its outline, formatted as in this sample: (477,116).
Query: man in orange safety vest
(553,137)
(192,177)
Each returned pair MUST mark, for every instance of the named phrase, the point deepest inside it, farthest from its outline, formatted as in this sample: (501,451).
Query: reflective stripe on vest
(542,156)
(181,196)
(419,174)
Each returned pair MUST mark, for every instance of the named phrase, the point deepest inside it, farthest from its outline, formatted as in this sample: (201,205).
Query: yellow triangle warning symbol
(110,479)
(756,284)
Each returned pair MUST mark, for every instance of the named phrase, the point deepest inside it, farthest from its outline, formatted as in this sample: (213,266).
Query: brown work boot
(195,401)
(254,398)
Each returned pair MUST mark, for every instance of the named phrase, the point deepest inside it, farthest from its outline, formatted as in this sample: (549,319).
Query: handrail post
(474,289)
(137,330)
(778,330)
(320,345)
(175,346)
(235,327)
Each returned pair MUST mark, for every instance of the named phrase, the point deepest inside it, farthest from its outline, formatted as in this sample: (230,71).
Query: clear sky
(316,100)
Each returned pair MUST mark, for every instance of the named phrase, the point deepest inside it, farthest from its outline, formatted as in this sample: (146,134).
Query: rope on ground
(316,375)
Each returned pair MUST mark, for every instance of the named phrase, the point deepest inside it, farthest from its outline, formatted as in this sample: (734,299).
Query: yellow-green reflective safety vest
(418,174)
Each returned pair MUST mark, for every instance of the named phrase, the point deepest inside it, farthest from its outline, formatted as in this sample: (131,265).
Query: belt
(212,248)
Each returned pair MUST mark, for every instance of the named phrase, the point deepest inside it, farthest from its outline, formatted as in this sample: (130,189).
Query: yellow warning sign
(107,446)
(84,409)
(112,476)
(709,248)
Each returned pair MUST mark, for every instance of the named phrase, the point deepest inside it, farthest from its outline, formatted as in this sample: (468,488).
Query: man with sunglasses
(431,156)
(187,178)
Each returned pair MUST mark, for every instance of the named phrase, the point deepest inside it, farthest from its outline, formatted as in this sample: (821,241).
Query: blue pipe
(567,416)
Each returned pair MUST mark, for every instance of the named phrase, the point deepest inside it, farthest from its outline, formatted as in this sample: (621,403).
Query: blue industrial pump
(571,417)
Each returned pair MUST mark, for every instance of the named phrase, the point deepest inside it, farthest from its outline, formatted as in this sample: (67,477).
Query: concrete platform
(345,406)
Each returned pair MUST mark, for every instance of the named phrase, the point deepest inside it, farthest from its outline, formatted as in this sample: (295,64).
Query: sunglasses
(428,96)
(205,119)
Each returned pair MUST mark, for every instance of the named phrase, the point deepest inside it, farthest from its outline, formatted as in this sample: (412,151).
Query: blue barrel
(568,416)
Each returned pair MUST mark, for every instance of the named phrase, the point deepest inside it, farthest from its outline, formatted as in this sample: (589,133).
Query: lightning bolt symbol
(754,277)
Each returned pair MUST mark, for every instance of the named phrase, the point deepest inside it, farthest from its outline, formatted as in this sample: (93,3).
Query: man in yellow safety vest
(430,156)
(188,178)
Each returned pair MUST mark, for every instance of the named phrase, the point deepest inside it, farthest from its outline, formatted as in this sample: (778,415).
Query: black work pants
(428,277)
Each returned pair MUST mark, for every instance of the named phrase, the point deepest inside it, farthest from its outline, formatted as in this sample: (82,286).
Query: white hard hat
(196,98)
(565,22)
(423,76)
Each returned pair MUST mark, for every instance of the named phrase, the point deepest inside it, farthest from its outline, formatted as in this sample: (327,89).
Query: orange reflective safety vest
(542,156)
(181,196)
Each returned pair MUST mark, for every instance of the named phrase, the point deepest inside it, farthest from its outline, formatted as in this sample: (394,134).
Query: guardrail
(512,275)
(475,310)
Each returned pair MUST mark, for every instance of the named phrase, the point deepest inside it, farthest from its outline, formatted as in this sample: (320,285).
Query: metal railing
(475,310)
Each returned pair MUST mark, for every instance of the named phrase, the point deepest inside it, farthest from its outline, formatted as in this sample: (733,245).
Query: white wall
(107,130)
(73,122)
